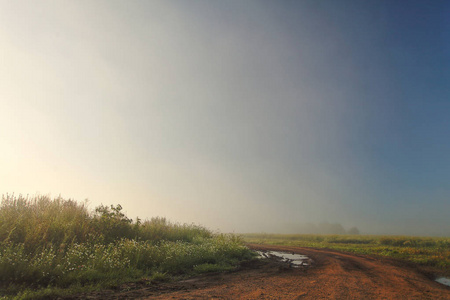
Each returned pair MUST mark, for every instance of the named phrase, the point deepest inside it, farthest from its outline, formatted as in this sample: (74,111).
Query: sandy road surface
(333,275)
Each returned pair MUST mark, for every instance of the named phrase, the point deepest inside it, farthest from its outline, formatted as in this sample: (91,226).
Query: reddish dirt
(333,275)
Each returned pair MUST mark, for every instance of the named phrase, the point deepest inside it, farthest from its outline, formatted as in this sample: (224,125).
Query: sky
(242,116)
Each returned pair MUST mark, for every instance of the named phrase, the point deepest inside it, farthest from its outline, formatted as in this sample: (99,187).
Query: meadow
(431,252)
(57,247)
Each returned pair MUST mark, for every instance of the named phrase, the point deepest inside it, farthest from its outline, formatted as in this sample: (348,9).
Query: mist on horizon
(242,116)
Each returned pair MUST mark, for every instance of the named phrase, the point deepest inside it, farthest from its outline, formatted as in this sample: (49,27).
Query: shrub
(112,224)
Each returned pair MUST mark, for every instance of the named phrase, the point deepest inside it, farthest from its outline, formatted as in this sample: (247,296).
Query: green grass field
(425,251)
(55,247)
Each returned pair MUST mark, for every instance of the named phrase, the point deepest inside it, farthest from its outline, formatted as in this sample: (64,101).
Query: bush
(110,223)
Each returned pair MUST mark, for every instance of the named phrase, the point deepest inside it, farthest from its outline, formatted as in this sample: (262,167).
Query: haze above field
(244,116)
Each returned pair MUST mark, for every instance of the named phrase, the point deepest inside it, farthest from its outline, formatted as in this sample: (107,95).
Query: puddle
(294,260)
(443,280)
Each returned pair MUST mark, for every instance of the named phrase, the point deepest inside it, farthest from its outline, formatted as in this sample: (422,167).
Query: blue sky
(238,115)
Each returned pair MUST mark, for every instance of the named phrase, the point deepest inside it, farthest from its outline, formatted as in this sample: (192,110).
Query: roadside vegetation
(426,251)
(56,247)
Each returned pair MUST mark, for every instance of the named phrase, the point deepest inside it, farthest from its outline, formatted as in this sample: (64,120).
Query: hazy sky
(243,116)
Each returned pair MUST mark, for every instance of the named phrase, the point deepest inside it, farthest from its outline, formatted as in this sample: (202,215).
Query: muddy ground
(332,275)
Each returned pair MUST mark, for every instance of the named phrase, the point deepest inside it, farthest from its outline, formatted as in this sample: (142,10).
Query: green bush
(112,224)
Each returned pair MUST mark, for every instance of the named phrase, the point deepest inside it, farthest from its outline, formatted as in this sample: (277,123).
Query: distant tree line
(320,228)
(329,228)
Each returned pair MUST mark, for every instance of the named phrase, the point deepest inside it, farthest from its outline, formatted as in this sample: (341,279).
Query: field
(328,274)
(57,247)
(52,248)
(423,251)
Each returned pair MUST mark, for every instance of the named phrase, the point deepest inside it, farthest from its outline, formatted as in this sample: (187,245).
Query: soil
(331,275)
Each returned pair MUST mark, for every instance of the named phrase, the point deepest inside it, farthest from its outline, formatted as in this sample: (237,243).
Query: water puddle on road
(294,260)
(443,280)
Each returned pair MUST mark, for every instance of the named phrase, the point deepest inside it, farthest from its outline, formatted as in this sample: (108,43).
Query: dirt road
(333,275)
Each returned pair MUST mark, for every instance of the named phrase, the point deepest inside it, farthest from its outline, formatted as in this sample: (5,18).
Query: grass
(424,251)
(56,247)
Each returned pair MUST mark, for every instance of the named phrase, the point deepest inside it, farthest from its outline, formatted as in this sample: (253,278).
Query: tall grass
(39,221)
(48,242)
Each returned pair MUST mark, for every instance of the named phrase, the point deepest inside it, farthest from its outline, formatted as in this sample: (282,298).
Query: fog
(242,116)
